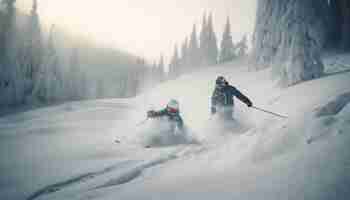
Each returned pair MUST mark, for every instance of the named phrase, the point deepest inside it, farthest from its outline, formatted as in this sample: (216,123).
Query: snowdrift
(68,151)
(161,133)
(274,158)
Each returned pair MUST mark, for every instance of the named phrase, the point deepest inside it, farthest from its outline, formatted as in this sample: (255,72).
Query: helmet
(220,81)
(173,106)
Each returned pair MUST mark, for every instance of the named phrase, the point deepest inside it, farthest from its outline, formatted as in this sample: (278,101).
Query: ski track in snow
(125,177)
(136,172)
(82,178)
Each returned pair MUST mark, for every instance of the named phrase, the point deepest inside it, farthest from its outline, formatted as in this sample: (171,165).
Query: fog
(143,28)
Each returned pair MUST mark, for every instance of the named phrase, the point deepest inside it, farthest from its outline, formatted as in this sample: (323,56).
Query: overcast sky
(144,27)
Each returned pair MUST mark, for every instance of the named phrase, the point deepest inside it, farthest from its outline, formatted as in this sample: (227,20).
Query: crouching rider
(172,113)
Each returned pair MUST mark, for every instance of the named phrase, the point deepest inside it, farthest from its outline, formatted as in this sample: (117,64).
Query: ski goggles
(221,83)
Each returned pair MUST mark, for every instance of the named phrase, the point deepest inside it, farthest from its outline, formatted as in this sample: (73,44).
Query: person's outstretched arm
(153,113)
(241,97)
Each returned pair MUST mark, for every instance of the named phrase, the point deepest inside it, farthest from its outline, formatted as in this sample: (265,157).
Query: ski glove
(249,104)
(151,113)
(213,110)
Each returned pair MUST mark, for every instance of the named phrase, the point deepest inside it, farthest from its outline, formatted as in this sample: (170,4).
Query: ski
(119,142)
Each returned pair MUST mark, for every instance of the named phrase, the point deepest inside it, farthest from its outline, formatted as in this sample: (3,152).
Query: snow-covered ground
(69,151)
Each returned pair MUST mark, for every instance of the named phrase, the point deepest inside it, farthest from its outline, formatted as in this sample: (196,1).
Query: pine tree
(49,84)
(242,47)
(53,74)
(212,43)
(8,33)
(2,33)
(184,57)
(74,75)
(203,39)
(8,17)
(12,82)
(35,47)
(193,49)
(160,69)
(174,64)
(154,74)
(137,81)
(227,47)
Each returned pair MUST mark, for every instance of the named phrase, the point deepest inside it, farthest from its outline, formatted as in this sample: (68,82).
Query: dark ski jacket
(224,97)
(171,116)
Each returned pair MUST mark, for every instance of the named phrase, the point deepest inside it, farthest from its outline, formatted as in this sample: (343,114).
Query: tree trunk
(289,36)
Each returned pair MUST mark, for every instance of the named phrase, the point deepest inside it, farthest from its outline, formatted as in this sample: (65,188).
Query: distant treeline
(38,66)
(204,51)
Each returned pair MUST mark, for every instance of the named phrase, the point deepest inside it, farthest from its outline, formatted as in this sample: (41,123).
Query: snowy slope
(67,151)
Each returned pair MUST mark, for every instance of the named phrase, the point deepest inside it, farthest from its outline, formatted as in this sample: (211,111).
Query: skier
(222,99)
(171,112)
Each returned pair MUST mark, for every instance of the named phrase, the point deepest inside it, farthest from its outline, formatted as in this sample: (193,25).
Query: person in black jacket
(222,100)
(171,111)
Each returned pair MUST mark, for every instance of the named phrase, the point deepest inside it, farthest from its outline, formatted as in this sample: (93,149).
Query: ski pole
(272,113)
(142,122)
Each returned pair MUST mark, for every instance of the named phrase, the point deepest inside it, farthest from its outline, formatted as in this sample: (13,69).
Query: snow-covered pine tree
(184,57)
(34,43)
(160,69)
(174,64)
(31,52)
(227,48)
(138,81)
(144,75)
(11,77)
(74,76)
(134,84)
(154,74)
(203,41)
(212,53)
(5,73)
(48,86)
(54,71)
(193,49)
(242,47)
(290,38)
